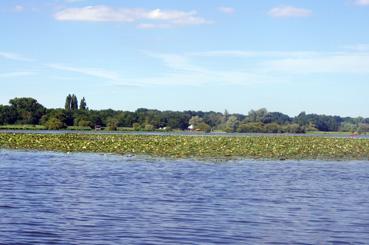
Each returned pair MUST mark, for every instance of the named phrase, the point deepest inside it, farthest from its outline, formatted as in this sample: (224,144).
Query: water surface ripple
(54,198)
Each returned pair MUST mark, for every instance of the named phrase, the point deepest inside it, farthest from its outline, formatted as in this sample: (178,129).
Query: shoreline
(184,133)
(200,147)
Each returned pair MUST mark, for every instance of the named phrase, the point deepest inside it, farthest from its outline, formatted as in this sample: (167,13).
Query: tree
(149,127)
(251,127)
(175,120)
(125,119)
(61,115)
(83,105)
(301,119)
(225,116)
(82,119)
(363,128)
(204,127)
(232,124)
(195,121)
(257,116)
(28,110)
(112,124)
(71,103)
(294,129)
(74,103)
(8,115)
(68,102)
(348,127)
(54,124)
(276,117)
(85,123)
(213,119)
(136,126)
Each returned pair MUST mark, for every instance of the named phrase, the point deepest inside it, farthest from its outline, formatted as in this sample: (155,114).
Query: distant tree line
(22,111)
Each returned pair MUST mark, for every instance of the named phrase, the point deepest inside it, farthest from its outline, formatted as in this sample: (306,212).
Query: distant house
(191,127)
(97,127)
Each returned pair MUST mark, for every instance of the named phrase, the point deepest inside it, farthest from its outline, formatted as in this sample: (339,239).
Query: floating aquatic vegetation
(258,147)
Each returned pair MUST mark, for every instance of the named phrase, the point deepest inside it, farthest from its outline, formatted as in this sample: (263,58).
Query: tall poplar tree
(74,103)
(68,102)
(83,105)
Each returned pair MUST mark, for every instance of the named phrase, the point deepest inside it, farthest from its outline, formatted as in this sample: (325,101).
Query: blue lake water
(54,198)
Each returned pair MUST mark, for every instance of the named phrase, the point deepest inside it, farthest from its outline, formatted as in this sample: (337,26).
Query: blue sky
(284,55)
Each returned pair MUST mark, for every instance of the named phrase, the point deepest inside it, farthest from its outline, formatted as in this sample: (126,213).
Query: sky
(283,55)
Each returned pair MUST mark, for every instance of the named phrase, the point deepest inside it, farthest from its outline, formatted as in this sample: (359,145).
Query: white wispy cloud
(362,2)
(90,71)
(328,63)
(104,74)
(19,8)
(361,47)
(154,26)
(14,56)
(161,18)
(216,67)
(289,11)
(183,71)
(226,10)
(74,1)
(249,67)
(255,67)
(253,54)
(17,74)
(174,61)
(353,60)
(200,79)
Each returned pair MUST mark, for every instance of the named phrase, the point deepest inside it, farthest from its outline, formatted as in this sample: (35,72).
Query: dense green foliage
(22,111)
(272,147)
(83,104)
(29,111)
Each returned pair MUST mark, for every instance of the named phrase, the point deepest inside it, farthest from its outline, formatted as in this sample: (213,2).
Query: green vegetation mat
(268,147)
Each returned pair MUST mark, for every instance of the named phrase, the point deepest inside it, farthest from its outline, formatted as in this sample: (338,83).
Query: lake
(55,198)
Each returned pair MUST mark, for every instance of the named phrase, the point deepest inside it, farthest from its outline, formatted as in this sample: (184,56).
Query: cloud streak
(158,18)
(255,67)
(362,2)
(253,54)
(17,74)
(19,8)
(330,63)
(361,47)
(355,60)
(289,11)
(183,71)
(226,10)
(95,72)
(107,75)
(14,56)
(224,67)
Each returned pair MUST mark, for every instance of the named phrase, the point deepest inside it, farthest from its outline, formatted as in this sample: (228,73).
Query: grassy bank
(22,127)
(268,147)
(329,133)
